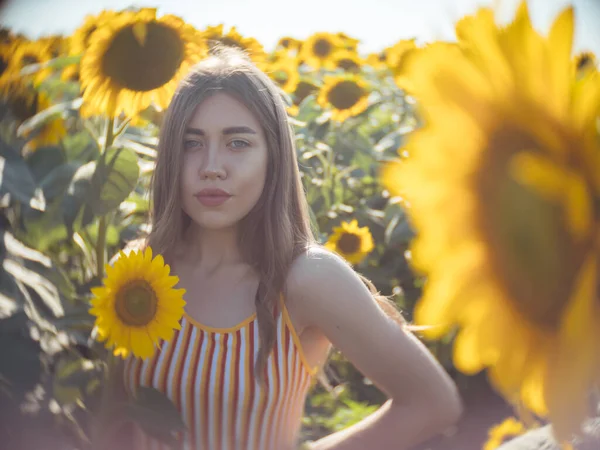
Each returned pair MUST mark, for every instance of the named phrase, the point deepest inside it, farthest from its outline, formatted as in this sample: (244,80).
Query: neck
(211,249)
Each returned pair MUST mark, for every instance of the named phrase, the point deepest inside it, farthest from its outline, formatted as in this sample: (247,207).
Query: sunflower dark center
(349,243)
(345,94)
(136,304)
(347,64)
(285,42)
(144,66)
(29,58)
(322,48)
(23,105)
(303,90)
(532,252)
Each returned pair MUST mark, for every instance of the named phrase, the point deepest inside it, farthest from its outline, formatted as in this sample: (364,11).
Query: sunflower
(508,429)
(377,60)
(56,45)
(253,48)
(137,305)
(25,103)
(27,53)
(289,44)
(303,89)
(79,41)
(347,95)
(348,61)
(137,59)
(349,42)
(285,73)
(352,242)
(51,132)
(317,49)
(502,184)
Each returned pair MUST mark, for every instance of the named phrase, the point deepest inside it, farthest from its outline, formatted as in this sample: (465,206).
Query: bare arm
(423,400)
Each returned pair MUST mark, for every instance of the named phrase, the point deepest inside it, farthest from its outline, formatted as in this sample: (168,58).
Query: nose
(212,169)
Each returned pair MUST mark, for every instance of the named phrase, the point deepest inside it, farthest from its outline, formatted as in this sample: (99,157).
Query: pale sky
(377,23)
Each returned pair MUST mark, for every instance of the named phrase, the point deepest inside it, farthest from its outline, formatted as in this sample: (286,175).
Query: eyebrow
(226,131)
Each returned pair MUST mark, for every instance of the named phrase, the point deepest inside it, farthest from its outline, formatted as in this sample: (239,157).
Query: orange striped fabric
(208,373)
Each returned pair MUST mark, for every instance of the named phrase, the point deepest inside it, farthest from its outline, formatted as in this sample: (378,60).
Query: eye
(239,144)
(189,144)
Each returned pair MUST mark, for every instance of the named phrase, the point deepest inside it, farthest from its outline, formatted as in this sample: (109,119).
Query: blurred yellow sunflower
(346,95)
(253,48)
(348,42)
(377,60)
(348,61)
(79,41)
(502,184)
(285,73)
(352,242)
(24,103)
(303,89)
(50,133)
(317,49)
(499,434)
(56,45)
(395,53)
(135,60)
(28,53)
(289,44)
(137,305)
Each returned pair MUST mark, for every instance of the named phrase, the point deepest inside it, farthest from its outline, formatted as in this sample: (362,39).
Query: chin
(216,222)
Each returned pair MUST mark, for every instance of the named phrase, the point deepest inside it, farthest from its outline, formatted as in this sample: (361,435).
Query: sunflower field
(462,178)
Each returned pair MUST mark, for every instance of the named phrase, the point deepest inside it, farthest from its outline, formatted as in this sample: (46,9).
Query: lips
(212,197)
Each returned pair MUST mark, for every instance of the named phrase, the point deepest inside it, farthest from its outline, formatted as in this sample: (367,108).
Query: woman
(265,302)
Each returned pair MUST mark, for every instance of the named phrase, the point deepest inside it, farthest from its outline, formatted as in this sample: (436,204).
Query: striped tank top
(208,373)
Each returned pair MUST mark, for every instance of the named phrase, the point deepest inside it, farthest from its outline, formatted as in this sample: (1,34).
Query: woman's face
(224,163)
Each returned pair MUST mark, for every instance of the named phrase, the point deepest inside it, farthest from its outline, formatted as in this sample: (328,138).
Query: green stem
(102,222)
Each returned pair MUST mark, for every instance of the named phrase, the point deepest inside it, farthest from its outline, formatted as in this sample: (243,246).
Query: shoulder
(317,265)
(321,286)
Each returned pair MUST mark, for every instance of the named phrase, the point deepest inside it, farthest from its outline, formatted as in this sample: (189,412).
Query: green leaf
(115,177)
(57,181)
(77,193)
(16,179)
(45,160)
(156,414)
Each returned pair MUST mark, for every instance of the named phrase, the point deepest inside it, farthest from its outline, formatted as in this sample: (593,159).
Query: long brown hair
(277,229)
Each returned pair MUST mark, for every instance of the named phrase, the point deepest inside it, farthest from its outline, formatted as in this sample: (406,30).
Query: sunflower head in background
(348,61)
(29,53)
(318,49)
(137,59)
(348,42)
(352,242)
(503,184)
(346,96)
(303,89)
(215,37)
(284,71)
(289,44)
(137,306)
